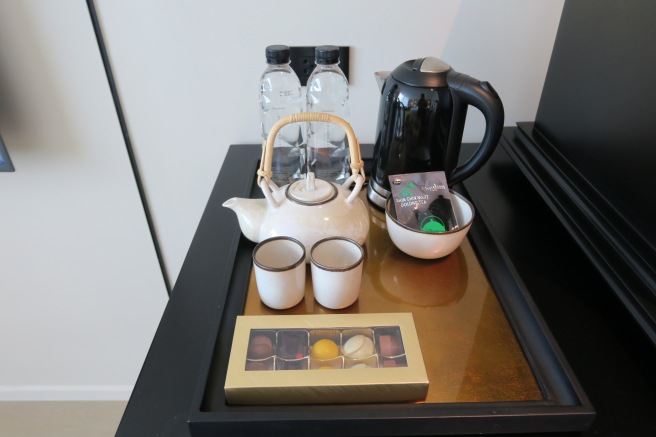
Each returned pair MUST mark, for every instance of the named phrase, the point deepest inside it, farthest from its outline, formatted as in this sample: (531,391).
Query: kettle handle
(469,91)
(357,165)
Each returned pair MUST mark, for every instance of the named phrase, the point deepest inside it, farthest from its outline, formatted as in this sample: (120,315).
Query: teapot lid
(423,72)
(311,191)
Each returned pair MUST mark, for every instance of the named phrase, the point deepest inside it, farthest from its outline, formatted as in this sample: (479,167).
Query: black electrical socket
(302,61)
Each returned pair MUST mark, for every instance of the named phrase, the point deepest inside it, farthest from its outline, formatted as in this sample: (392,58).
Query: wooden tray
(493,365)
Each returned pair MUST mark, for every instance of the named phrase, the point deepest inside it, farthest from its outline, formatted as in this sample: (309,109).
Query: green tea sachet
(422,201)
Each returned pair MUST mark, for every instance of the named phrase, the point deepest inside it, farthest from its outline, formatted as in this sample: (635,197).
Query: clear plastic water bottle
(280,95)
(327,91)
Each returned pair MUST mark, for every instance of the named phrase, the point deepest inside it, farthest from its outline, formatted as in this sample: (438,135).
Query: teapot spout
(381,77)
(250,213)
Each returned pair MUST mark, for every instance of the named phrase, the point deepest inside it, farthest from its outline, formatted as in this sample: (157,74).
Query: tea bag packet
(422,201)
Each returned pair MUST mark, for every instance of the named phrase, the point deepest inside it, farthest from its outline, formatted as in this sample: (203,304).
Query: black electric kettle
(421,119)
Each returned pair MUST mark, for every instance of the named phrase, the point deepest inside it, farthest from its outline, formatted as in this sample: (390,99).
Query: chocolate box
(325,358)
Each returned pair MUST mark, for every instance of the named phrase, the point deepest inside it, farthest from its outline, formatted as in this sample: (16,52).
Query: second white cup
(336,271)
(279,264)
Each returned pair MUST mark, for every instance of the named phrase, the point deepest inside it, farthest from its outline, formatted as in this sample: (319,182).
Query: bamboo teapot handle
(357,166)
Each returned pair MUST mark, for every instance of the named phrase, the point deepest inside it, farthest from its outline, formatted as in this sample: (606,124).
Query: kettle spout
(381,77)
(250,213)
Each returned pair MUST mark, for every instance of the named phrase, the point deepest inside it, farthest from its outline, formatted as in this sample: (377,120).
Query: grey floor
(65,418)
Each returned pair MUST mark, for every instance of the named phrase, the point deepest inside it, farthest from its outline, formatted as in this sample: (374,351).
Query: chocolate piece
(292,365)
(256,365)
(358,347)
(324,349)
(260,347)
(292,344)
(389,363)
(390,345)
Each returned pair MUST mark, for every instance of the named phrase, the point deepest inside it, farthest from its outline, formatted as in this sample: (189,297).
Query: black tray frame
(565,406)
(624,257)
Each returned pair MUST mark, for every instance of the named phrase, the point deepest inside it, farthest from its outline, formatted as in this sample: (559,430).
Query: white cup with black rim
(279,264)
(336,264)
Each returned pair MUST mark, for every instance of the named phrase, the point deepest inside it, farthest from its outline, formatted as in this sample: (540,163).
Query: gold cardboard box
(325,359)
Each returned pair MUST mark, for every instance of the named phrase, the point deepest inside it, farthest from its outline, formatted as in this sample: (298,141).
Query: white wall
(188,72)
(81,292)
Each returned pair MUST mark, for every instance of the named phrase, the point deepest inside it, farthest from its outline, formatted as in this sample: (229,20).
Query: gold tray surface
(470,351)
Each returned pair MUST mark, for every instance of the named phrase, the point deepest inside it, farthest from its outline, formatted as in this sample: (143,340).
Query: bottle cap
(277,54)
(325,55)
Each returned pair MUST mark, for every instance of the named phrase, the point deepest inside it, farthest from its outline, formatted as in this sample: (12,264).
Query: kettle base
(377,195)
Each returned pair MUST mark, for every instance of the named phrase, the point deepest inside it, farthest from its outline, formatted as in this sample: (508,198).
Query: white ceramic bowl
(429,245)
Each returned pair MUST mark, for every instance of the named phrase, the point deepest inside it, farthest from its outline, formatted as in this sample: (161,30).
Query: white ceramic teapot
(308,209)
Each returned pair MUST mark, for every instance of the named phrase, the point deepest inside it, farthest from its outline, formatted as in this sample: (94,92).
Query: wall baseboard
(65,392)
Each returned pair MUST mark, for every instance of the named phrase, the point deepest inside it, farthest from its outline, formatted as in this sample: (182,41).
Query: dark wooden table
(605,349)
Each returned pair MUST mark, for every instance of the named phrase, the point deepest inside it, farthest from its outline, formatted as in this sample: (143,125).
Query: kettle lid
(423,72)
